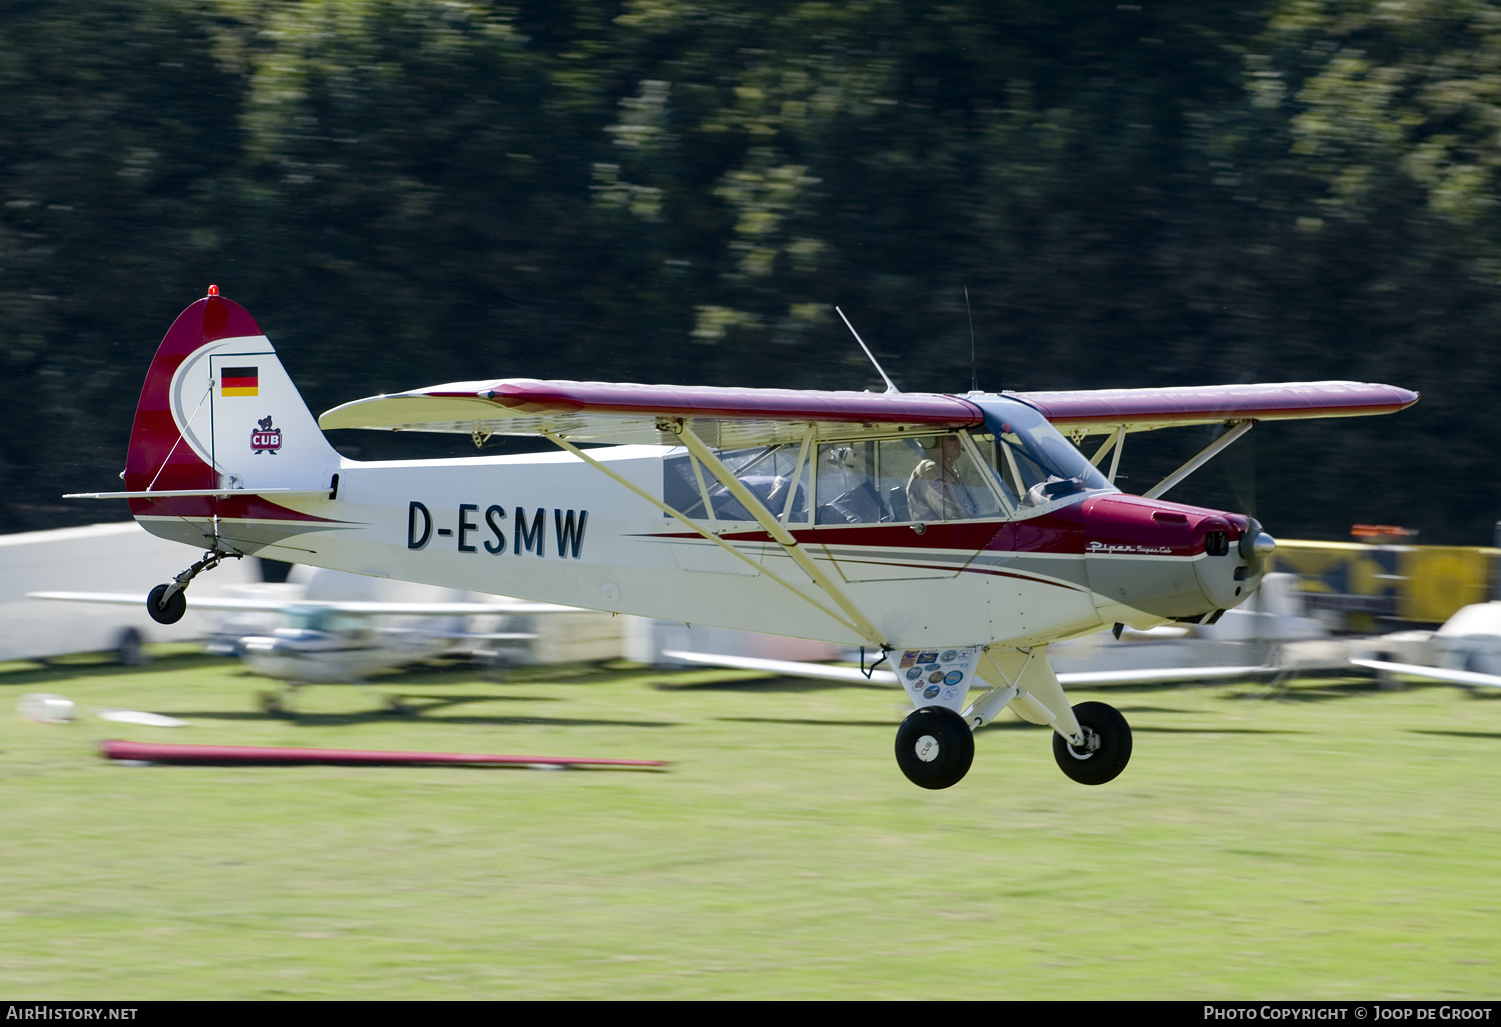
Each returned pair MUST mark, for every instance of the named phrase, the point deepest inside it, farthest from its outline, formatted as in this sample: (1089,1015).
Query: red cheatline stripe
(161,752)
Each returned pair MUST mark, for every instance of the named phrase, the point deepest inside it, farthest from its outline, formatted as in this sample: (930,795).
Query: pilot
(937,489)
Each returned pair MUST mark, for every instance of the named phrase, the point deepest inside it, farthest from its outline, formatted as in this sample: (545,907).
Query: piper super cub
(958,535)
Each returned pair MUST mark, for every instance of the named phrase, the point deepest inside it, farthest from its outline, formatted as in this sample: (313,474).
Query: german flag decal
(240,381)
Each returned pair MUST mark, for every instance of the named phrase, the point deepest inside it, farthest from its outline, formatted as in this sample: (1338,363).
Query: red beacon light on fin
(213,290)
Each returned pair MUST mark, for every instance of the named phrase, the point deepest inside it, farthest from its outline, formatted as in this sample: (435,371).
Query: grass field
(1328,841)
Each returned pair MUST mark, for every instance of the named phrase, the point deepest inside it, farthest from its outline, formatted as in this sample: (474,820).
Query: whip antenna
(974,372)
(890,388)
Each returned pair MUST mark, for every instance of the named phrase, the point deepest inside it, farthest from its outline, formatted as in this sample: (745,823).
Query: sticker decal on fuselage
(942,675)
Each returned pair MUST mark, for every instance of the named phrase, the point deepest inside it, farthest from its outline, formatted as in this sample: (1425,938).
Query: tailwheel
(170,610)
(167,603)
(1106,749)
(934,747)
(273,704)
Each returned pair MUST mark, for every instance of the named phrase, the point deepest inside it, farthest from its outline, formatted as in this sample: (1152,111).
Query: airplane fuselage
(548,528)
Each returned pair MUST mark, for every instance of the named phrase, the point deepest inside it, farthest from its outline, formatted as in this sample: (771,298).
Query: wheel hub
(934,747)
(1089,748)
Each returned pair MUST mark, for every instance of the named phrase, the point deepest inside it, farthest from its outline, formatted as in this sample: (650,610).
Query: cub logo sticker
(264,438)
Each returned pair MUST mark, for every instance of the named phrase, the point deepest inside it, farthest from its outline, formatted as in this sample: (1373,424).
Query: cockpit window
(767,471)
(936,478)
(1017,464)
(325,619)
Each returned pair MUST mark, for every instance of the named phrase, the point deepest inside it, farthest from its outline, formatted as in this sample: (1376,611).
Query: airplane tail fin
(218,413)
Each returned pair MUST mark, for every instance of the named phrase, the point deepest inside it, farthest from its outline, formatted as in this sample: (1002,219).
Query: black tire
(1104,763)
(934,747)
(172,611)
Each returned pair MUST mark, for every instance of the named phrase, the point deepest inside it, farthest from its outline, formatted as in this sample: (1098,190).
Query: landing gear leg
(1106,749)
(167,603)
(934,747)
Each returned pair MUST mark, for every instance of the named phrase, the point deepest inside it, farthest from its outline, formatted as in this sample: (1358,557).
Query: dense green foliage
(405,192)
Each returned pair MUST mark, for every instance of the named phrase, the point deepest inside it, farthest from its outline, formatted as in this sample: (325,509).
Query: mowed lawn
(1323,841)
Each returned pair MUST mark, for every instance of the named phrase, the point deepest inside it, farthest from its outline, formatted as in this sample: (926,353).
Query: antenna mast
(890,388)
(974,371)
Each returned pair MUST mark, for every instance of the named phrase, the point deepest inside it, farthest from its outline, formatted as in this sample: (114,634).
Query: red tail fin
(157,458)
(219,412)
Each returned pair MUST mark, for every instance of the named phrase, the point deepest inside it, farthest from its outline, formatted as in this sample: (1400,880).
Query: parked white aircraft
(959,534)
(1465,651)
(317,639)
(111,556)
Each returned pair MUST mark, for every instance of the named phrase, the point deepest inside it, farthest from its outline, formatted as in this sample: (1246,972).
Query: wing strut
(1116,442)
(1203,457)
(856,623)
(783,537)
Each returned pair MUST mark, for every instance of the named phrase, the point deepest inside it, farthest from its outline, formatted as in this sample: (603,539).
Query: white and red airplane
(957,534)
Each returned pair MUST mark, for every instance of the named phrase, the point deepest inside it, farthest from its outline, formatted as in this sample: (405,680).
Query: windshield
(1037,464)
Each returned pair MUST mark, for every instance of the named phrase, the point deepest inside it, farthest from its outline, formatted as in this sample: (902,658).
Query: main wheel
(1107,745)
(171,612)
(934,747)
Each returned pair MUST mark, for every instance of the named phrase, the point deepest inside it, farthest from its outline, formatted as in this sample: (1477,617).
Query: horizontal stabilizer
(174,493)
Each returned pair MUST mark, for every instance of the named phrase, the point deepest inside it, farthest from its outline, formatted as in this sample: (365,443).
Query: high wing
(829,672)
(371,608)
(627,414)
(1467,678)
(1101,411)
(731,417)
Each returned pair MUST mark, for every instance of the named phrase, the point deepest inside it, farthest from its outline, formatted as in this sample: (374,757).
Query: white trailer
(118,557)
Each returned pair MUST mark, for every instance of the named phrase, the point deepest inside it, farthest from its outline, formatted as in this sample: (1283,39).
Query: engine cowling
(1170,561)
